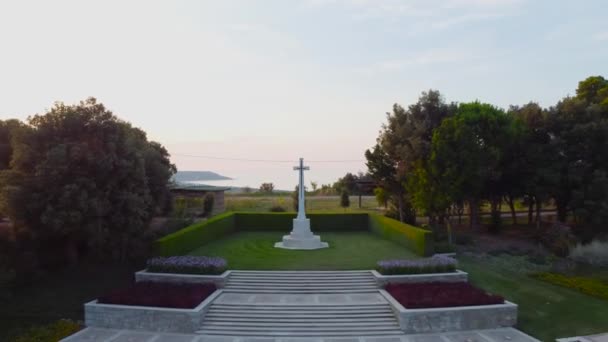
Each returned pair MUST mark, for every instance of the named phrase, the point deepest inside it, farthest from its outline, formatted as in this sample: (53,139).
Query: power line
(268,160)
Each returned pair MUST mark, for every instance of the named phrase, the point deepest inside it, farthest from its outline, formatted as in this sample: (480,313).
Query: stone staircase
(276,282)
(300,304)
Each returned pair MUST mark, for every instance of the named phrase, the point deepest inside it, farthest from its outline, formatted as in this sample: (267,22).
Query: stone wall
(435,320)
(219,280)
(451,277)
(146,318)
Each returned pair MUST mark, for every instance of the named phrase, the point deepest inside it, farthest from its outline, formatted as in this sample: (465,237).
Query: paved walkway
(300,304)
(109,335)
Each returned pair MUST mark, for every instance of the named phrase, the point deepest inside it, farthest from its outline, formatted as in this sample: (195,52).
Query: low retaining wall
(435,320)
(219,280)
(147,318)
(451,277)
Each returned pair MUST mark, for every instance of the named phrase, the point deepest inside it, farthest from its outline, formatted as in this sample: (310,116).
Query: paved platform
(110,335)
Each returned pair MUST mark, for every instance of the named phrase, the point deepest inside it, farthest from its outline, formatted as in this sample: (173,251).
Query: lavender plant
(187,264)
(435,264)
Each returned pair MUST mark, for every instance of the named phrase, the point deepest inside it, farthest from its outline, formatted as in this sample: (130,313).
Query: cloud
(601,36)
(425,58)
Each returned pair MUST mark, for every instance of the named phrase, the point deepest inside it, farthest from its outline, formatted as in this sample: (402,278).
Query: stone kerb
(435,320)
(450,277)
(147,318)
(219,280)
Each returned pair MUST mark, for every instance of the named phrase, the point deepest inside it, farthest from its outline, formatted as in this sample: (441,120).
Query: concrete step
(298,316)
(298,307)
(293,313)
(300,333)
(274,320)
(313,291)
(333,273)
(361,324)
(305,280)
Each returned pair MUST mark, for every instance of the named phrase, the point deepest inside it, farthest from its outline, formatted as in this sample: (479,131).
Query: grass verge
(347,251)
(546,311)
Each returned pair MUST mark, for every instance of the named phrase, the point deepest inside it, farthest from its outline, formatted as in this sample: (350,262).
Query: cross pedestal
(301,236)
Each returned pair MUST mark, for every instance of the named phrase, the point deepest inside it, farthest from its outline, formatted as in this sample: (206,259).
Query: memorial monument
(301,236)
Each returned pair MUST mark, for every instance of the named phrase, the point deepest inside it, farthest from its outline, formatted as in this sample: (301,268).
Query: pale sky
(283,79)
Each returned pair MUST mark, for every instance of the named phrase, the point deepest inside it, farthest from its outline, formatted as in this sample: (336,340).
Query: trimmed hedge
(418,240)
(319,222)
(196,235)
(590,286)
(183,241)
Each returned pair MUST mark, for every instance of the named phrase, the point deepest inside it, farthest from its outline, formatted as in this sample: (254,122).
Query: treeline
(436,158)
(78,182)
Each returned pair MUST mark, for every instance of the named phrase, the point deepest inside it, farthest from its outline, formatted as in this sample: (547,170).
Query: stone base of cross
(301,237)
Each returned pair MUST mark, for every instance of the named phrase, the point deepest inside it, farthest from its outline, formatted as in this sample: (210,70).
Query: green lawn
(347,251)
(545,311)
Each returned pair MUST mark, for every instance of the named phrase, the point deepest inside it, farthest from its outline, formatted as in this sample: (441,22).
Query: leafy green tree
(344,199)
(267,188)
(579,129)
(80,177)
(381,196)
(467,155)
(314,186)
(404,144)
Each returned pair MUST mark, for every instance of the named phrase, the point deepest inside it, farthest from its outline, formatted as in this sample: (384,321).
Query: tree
(80,177)
(267,187)
(579,130)
(295,196)
(381,196)
(404,144)
(314,186)
(467,153)
(344,200)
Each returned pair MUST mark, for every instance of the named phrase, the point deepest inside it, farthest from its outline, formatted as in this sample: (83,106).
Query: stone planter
(451,277)
(218,279)
(434,320)
(147,318)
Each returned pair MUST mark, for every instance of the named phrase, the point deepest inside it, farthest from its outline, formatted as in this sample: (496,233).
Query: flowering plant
(435,264)
(441,295)
(187,264)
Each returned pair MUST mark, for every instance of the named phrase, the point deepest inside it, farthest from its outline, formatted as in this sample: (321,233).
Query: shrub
(441,295)
(558,239)
(277,209)
(208,202)
(594,253)
(187,264)
(418,240)
(495,222)
(435,264)
(444,247)
(50,333)
(344,200)
(165,295)
(196,235)
(591,286)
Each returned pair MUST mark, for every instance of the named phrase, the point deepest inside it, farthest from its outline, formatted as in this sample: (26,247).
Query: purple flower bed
(435,264)
(441,295)
(164,295)
(187,264)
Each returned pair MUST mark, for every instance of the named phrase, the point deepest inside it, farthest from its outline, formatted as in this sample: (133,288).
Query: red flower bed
(165,295)
(441,295)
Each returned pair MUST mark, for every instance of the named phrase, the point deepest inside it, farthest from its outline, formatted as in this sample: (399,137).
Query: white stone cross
(301,192)
(301,237)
